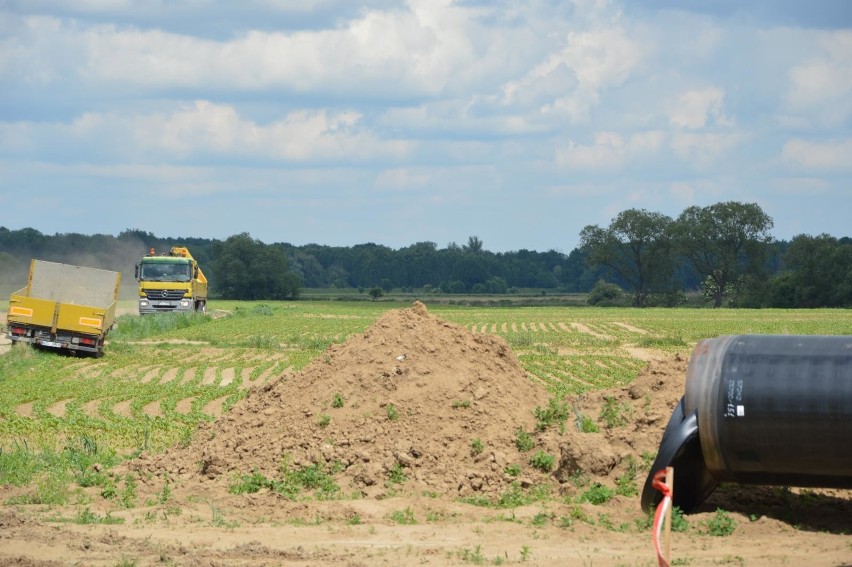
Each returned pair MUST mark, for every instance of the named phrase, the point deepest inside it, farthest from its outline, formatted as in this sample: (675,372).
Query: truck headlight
(143,302)
(184,303)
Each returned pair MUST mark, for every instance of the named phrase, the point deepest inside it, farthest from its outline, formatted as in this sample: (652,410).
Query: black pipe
(760,409)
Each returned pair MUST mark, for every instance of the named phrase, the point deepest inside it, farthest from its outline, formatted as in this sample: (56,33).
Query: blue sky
(340,123)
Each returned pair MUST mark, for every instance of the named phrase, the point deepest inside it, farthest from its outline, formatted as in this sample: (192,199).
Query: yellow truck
(171,282)
(64,307)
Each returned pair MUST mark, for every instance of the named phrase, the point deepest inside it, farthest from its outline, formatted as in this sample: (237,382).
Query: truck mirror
(136,272)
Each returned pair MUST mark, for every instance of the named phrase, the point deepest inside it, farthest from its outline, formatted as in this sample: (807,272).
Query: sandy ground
(413,421)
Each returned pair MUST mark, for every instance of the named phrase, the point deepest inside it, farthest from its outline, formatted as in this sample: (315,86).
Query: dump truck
(171,282)
(64,307)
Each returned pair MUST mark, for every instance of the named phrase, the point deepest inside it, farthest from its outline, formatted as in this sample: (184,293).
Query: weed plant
(597,494)
(474,556)
(86,516)
(513,497)
(556,413)
(721,524)
(543,461)
(584,423)
(512,470)
(614,414)
(51,470)
(523,440)
(392,412)
(404,517)
(541,519)
(396,474)
(293,482)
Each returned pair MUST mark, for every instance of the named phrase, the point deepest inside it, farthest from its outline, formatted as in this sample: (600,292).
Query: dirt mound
(420,401)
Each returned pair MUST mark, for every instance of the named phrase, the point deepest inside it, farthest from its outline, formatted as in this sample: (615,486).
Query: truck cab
(171,282)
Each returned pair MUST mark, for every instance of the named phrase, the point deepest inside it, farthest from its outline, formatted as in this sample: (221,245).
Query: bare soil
(416,420)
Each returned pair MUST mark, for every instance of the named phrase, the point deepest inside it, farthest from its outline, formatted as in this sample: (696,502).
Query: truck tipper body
(171,282)
(64,307)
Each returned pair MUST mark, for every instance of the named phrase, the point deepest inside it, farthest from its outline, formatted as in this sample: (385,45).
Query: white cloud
(697,108)
(682,192)
(402,178)
(802,186)
(420,49)
(824,155)
(204,129)
(822,86)
(611,150)
(703,149)
(701,191)
(574,190)
(568,83)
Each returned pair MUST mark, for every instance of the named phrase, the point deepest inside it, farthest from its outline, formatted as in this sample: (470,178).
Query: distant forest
(642,259)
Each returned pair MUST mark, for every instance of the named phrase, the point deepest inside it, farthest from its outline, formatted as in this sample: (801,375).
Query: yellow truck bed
(64,306)
(61,316)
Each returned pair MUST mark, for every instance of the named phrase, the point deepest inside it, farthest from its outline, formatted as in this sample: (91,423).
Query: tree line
(726,250)
(722,254)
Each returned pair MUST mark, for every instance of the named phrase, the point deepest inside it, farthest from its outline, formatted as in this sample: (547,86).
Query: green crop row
(575,374)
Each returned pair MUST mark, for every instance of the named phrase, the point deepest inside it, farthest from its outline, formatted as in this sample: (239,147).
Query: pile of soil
(417,395)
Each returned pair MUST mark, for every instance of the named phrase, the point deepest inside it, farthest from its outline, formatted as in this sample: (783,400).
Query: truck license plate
(164,303)
(51,344)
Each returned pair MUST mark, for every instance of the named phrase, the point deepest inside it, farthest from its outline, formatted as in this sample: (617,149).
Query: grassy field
(162,376)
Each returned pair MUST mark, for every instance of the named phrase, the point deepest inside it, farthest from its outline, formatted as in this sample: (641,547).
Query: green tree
(376,292)
(473,246)
(636,246)
(496,284)
(817,273)
(246,268)
(726,243)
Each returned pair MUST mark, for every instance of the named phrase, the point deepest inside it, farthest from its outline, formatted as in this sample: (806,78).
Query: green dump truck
(64,307)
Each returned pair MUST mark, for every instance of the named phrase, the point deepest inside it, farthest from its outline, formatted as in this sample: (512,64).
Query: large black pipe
(760,409)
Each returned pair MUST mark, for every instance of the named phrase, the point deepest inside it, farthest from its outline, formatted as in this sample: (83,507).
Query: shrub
(605,294)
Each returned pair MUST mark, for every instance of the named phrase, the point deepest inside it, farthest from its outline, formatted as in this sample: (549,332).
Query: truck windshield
(165,272)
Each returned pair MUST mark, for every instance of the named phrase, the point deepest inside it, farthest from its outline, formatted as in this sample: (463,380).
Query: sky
(395,122)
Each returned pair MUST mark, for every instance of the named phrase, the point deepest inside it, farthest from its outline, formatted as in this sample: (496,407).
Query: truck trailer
(171,282)
(64,307)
